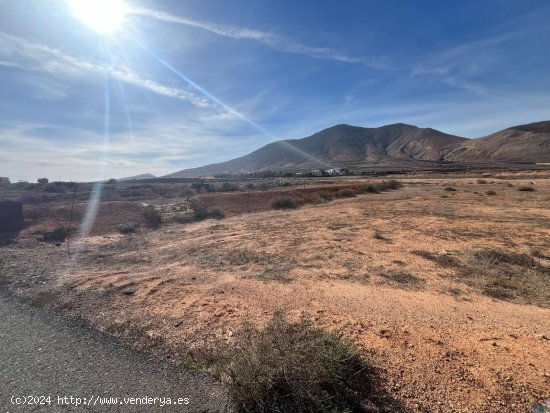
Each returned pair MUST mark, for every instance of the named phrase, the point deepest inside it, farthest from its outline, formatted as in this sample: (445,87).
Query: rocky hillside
(524,143)
(341,146)
(392,145)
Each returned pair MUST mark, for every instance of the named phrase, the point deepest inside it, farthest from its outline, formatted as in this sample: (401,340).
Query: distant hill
(397,145)
(136,177)
(340,146)
(518,144)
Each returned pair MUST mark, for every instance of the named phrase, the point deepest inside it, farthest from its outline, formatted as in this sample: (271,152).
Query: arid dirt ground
(395,272)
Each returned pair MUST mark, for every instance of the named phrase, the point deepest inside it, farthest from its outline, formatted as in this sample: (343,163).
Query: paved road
(44,354)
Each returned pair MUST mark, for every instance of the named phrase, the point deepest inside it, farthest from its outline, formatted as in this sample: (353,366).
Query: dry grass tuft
(401,278)
(295,367)
(500,274)
(345,193)
(284,203)
(128,228)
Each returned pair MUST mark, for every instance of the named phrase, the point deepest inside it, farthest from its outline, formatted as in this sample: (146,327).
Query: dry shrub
(450,189)
(388,185)
(284,203)
(326,195)
(184,218)
(446,260)
(128,228)
(200,212)
(216,213)
(490,193)
(152,216)
(378,187)
(401,278)
(500,274)
(481,181)
(526,189)
(295,367)
(507,275)
(372,189)
(377,235)
(496,256)
(345,193)
(59,234)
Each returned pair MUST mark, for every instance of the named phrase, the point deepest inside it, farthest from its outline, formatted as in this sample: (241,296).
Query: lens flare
(102,16)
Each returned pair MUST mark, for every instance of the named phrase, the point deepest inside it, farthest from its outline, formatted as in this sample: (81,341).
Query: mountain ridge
(396,144)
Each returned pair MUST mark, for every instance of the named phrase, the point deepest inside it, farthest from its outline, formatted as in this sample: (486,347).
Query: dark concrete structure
(11,216)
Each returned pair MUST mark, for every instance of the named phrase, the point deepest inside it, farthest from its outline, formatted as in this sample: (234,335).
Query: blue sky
(188,82)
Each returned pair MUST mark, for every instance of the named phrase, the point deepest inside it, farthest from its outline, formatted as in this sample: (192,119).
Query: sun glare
(103,16)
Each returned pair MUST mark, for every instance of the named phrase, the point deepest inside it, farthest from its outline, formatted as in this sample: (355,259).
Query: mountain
(340,146)
(397,145)
(518,144)
(136,177)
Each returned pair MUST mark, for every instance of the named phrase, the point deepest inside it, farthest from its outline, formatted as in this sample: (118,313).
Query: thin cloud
(460,65)
(35,56)
(271,40)
(5,63)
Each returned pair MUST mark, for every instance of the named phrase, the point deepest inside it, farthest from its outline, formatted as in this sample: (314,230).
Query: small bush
(54,188)
(229,187)
(42,180)
(372,189)
(481,181)
(295,367)
(284,203)
(200,212)
(393,184)
(216,214)
(328,196)
(184,218)
(498,273)
(59,234)
(497,256)
(401,278)
(491,193)
(526,189)
(445,260)
(345,193)
(152,216)
(128,228)
(376,188)
(450,189)
(377,235)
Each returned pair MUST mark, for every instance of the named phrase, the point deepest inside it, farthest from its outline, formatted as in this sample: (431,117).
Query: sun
(102,16)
